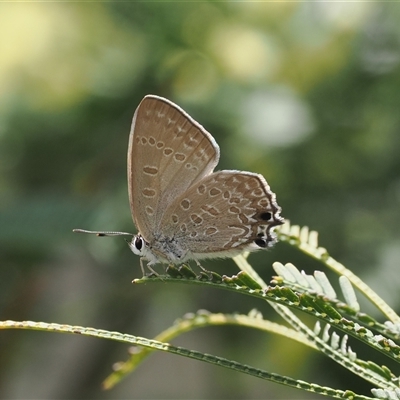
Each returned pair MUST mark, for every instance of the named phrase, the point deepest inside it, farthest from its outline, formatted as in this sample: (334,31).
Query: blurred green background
(305,93)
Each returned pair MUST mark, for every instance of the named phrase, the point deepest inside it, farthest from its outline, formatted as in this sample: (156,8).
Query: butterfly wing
(168,152)
(222,215)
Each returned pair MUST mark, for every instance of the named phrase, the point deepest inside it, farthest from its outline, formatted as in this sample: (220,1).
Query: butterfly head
(141,248)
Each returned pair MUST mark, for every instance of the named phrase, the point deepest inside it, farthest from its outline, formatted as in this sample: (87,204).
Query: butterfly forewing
(224,212)
(168,152)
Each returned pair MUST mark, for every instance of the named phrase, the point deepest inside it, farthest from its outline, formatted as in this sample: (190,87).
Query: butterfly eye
(138,243)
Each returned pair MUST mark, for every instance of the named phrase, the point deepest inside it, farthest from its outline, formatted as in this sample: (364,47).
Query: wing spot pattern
(190,143)
(210,210)
(263,203)
(201,189)
(167,151)
(180,157)
(243,218)
(190,166)
(150,170)
(210,231)
(234,200)
(149,210)
(257,192)
(149,193)
(185,204)
(196,219)
(215,192)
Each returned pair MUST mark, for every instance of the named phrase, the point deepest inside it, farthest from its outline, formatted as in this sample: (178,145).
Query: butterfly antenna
(101,233)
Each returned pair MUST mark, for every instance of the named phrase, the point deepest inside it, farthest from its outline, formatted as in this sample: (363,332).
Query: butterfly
(182,208)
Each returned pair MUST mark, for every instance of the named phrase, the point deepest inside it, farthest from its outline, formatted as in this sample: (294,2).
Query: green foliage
(305,93)
(289,291)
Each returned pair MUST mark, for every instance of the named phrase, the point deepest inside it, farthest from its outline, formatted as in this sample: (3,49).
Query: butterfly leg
(207,272)
(142,260)
(201,267)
